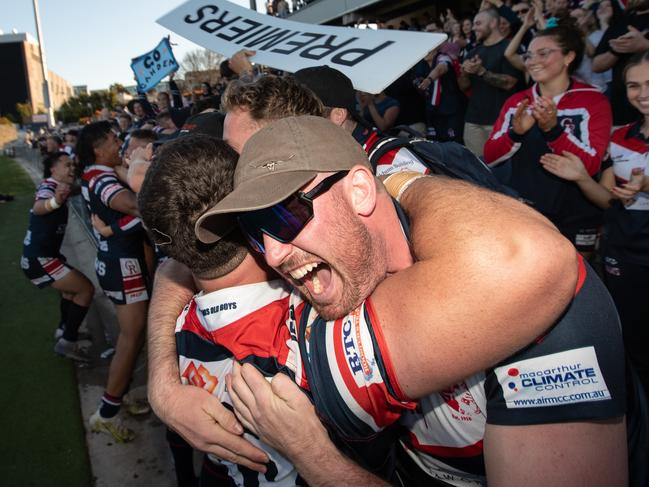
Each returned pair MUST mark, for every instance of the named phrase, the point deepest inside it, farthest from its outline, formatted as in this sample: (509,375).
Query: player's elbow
(547,264)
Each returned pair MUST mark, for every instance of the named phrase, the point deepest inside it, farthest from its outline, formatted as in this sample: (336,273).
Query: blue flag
(151,67)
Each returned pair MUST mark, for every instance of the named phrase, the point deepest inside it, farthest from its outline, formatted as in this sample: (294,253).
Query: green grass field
(41,431)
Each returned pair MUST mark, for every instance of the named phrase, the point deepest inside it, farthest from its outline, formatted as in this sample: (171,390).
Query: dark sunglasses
(522,11)
(285,220)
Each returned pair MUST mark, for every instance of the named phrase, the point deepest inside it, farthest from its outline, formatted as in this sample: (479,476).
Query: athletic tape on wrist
(53,203)
(397,183)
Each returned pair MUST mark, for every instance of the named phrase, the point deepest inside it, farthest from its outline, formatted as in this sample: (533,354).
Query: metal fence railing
(34,160)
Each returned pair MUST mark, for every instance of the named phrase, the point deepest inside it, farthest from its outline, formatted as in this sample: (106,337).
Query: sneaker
(81,336)
(58,333)
(112,426)
(71,350)
(135,406)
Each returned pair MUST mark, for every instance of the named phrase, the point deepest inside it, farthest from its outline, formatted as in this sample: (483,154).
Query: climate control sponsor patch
(557,379)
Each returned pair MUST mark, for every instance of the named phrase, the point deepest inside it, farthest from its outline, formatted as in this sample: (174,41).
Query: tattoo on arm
(501,81)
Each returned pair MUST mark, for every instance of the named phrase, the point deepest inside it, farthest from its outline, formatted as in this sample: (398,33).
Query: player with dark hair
(120,265)
(42,260)
(557,114)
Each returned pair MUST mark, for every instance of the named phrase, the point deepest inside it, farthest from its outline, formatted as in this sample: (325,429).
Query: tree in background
(84,105)
(200,60)
(25,112)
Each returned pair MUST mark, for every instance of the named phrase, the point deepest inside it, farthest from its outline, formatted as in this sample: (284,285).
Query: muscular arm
(563,454)
(193,412)
(492,275)
(125,202)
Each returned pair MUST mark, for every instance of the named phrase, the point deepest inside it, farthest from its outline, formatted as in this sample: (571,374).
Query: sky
(90,42)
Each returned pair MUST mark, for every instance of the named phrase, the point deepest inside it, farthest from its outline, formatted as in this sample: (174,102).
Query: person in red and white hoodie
(557,114)
(623,191)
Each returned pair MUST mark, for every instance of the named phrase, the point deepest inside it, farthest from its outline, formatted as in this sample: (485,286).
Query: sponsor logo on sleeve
(353,345)
(558,379)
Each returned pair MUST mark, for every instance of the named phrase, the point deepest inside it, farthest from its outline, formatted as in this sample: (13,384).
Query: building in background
(81,90)
(21,80)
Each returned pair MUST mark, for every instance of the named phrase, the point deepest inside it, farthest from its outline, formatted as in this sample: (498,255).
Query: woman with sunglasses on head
(623,191)
(42,261)
(557,114)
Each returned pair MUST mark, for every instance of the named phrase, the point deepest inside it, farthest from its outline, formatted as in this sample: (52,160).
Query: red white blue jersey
(244,323)
(396,160)
(629,151)
(45,232)
(626,229)
(99,185)
(583,128)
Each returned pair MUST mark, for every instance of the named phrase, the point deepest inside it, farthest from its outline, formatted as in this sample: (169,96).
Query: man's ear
(338,116)
(362,186)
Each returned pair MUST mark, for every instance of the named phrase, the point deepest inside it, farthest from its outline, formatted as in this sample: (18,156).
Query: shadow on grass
(41,431)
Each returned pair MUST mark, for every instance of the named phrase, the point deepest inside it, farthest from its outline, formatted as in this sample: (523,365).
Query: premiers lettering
(251,34)
(361,54)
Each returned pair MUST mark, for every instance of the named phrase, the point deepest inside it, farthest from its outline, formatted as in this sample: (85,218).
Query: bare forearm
(464,82)
(325,466)
(171,291)
(125,202)
(500,81)
(595,192)
(603,62)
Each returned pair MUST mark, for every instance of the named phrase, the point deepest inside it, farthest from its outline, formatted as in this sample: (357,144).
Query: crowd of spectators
(552,95)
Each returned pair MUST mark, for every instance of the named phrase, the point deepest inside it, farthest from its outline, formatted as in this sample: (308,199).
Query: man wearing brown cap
(313,208)
(325,283)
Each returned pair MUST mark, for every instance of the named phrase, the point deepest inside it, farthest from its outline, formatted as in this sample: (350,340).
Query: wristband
(53,204)
(397,183)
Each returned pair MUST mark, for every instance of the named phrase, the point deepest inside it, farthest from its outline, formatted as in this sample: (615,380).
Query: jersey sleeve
(45,191)
(106,187)
(126,225)
(503,143)
(573,373)
(351,377)
(592,145)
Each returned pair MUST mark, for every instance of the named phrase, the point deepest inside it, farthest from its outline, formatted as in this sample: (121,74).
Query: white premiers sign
(372,59)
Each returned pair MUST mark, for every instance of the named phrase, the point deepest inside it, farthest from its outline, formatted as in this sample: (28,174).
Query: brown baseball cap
(277,161)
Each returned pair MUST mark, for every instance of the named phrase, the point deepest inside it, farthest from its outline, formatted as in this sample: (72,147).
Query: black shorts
(43,271)
(124,280)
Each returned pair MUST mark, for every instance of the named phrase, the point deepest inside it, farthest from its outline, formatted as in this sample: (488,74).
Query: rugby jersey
(99,185)
(583,128)
(247,324)
(626,230)
(396,160)
(45,232)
